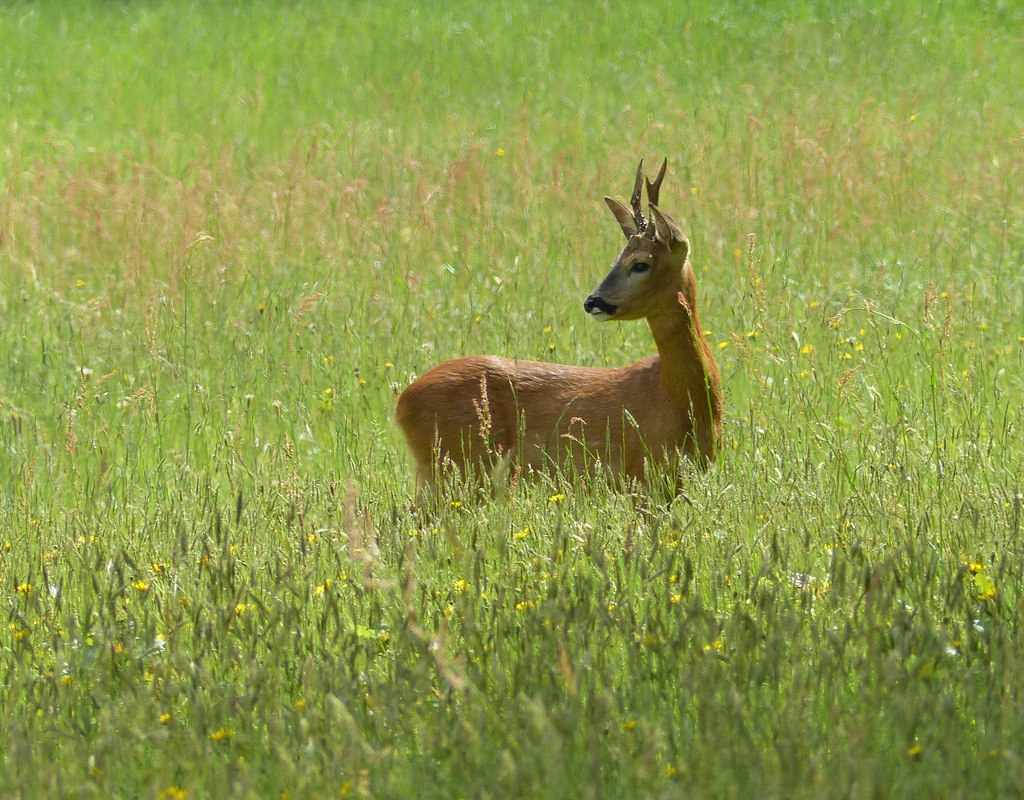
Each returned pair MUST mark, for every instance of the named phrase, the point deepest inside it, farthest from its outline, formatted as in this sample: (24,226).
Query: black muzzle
(595,305)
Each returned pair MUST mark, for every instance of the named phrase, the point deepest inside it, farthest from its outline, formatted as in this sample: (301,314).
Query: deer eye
(640,267)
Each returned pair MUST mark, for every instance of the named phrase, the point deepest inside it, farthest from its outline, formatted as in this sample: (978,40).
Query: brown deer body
(481,410)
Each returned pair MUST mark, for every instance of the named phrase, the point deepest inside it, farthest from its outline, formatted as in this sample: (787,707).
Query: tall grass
(229,234)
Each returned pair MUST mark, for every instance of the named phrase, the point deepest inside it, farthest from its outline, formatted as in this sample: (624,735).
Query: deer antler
(632,220)
(645,226)
(654,188)
(634,201)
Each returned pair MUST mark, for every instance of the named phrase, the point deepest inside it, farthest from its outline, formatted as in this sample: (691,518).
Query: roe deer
(481,410)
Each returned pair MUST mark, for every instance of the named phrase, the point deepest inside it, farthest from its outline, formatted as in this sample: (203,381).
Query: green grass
(230,234)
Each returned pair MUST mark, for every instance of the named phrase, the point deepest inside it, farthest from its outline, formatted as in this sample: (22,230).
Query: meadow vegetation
(231,233)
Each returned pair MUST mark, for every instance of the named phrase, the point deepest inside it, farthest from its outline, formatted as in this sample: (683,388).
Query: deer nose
(595,304)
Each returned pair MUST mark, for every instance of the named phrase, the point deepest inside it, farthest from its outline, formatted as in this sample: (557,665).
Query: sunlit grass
(229,237)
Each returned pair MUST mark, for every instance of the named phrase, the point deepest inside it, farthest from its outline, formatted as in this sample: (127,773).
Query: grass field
(231,233)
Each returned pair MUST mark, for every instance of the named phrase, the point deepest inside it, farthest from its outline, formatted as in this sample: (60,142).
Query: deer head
(652,269)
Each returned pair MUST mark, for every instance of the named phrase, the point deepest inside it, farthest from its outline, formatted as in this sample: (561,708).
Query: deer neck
(688,371)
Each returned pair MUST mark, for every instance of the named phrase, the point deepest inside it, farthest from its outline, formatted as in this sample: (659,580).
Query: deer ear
(623,215)
(668,232)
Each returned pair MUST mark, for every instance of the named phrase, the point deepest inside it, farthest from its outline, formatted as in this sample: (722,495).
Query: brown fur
(482,410)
